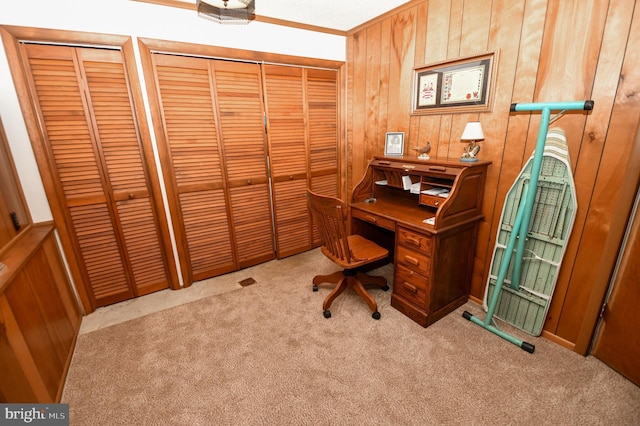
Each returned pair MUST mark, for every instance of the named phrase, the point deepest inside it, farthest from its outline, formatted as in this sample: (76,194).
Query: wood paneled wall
(548,50)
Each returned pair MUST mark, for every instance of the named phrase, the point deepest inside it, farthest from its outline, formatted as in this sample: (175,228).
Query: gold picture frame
(461,85)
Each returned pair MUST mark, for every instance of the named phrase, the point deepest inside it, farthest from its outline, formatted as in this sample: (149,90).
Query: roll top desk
(426,213)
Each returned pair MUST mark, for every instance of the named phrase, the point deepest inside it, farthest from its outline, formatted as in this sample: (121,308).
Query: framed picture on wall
(461,85)
(394,144)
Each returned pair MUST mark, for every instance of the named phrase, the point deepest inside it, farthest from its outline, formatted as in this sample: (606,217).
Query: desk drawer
(411,286)
(413,259)
(374,218)
(419,242)
(431,200)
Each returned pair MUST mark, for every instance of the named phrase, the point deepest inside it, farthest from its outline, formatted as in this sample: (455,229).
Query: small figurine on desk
(424,151)
(470,152)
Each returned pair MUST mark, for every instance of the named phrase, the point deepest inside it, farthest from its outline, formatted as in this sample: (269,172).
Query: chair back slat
(330,215)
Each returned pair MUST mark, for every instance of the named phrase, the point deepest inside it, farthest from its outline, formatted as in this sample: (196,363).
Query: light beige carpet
(265,355)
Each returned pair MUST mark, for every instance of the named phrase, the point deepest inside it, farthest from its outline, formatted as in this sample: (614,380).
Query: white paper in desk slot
(381,182)
(430,220)
(433,191)
(406,182)
(444,194)
(415,188)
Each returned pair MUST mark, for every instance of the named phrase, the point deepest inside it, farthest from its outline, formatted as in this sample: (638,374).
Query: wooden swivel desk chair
(350,252)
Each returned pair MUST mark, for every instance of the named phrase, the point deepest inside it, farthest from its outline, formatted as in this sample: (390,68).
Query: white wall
(125,17)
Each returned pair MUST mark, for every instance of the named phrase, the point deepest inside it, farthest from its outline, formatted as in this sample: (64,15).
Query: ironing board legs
(502,273)
(522,344)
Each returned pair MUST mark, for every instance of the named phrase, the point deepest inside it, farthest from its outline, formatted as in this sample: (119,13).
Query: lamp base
(468,159)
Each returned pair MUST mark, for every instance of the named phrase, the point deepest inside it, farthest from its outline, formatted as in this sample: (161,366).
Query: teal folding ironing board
(529,246)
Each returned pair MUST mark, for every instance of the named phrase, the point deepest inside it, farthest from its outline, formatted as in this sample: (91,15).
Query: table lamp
(472,133)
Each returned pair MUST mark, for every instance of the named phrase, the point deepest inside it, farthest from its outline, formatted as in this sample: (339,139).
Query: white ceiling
(340,15)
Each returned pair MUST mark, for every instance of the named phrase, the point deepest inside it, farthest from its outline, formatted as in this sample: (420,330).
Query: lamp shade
(472,131)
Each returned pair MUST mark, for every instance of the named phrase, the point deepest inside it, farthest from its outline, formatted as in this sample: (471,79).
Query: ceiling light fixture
(227,11)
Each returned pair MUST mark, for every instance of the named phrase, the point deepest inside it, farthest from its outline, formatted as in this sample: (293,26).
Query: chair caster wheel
(376,315)
(315,287)
(385,288)
(327,314)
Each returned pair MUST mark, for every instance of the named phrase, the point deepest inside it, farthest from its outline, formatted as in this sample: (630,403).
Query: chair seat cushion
(364,251)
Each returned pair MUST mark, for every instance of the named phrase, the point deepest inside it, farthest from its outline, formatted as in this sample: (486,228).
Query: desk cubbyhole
(393,178)
(434,190)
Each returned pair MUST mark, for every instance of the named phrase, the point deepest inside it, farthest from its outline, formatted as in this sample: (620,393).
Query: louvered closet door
(93,142)
(241,117)
(322,110)
(287,135)
(201,223)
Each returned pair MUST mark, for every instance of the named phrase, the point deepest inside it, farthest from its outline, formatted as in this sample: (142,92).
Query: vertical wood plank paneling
(476,26)
(39,319)
(21,381)
(383,91)
(614,162)
(349,119)
(455,28)
(23,299)
(474,34)
(438,23)
(505,32)
(401,64)
(549,50)
(357,89)
(567,74)
(436,46)
(513,154)
(422,18)
(372,85)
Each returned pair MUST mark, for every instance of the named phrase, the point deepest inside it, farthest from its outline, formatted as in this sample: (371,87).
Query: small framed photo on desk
(394,144)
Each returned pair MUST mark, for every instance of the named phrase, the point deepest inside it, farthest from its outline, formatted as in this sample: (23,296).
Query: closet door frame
(148,46)
(12,36)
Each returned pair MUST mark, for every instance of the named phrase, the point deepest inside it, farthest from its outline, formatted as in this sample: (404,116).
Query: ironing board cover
(552,219)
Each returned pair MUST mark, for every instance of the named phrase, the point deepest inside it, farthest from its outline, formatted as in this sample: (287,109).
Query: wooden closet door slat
(293,222)
(322,103)
(238,91)
(252,224)
(286,124)
(123,156)
(193,150)
(100,252)
(206,225)
(71,147)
